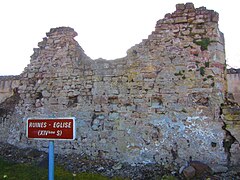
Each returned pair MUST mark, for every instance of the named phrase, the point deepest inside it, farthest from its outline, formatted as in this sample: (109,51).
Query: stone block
(198,31)
(46,94)
(178,20)
(53,101)
(180,6)
(189,6)
(97,108)
(189,172)
(219,168)
(113,116)
(200,168)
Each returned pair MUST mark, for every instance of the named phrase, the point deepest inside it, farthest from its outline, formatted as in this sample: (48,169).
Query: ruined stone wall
(233,78)
(231,117)
(159,104)
(7,86)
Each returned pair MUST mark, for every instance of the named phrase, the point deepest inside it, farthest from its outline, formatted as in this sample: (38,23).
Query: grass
(16,171)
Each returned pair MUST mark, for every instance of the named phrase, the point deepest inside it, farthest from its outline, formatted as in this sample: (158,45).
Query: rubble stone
(189,172)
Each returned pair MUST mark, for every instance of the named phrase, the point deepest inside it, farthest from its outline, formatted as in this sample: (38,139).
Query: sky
(106,28)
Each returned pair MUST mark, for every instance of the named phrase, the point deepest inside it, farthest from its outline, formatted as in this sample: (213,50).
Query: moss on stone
(231,117)
(180,73)
(184,110)
(202,71)
(203,43)
(210,77)
(207,63)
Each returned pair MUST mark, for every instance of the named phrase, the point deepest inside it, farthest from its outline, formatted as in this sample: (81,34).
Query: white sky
(106,28)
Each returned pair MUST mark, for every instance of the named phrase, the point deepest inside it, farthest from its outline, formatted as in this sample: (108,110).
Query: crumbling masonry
(162,103)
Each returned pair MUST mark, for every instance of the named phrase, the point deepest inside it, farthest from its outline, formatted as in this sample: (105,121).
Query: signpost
(51,129)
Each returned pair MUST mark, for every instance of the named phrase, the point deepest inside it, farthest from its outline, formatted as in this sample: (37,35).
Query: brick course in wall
(159,104)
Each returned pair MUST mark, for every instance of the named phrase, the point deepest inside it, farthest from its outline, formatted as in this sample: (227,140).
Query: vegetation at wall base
(24,171)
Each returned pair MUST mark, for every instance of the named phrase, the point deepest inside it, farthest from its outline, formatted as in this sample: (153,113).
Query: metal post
(51,160)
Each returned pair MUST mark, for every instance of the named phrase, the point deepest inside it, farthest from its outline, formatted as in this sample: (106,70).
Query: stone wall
(159,104)
(7,86)
(231,114)
(231,117)
(233,78)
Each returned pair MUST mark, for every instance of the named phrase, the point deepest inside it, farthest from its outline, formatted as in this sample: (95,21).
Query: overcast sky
(106,28)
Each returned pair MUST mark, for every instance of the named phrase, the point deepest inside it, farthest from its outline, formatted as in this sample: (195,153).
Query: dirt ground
(80,163)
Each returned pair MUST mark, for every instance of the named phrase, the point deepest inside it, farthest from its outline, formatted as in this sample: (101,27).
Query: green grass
(16,171)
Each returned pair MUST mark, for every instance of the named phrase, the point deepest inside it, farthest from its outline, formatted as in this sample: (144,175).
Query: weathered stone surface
(200,168)
(189,172)
(233,78)
(159,104)
(7,85)
(231,116)
(219,169)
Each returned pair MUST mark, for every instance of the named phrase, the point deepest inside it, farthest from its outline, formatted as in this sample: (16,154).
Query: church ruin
(163,103)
